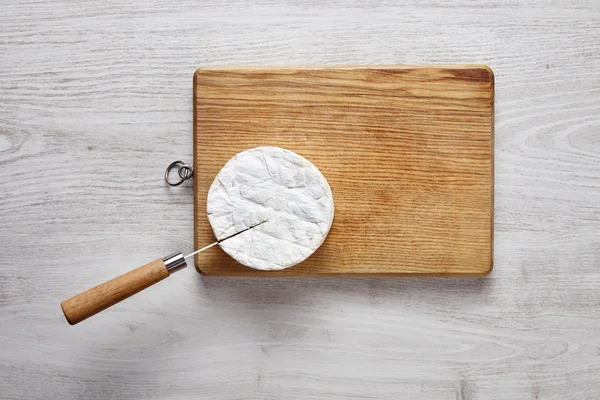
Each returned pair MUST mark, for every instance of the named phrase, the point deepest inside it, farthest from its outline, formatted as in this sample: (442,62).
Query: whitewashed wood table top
(96,100)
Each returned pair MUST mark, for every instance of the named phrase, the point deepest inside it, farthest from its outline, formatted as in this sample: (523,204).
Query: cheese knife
(99,298)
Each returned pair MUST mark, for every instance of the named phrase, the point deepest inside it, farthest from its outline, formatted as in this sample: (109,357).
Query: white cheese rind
(274,185)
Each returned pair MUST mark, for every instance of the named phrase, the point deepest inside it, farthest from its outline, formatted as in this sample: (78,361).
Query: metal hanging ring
(184,171)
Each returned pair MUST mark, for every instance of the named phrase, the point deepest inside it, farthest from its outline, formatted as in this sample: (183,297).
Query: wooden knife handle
(90,302)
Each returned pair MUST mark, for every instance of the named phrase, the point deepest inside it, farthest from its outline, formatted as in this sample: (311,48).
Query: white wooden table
(95,101)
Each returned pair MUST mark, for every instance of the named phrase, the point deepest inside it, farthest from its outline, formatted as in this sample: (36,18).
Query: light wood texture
(407,151)
(96,101)
(84,305)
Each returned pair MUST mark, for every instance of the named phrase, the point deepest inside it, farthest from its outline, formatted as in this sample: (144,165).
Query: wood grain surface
(407,151)
(95,102)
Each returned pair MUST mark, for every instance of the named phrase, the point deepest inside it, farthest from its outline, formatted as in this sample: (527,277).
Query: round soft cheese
(277,186)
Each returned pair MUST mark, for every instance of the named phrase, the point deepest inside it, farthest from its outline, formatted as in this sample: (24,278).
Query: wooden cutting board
(408,152)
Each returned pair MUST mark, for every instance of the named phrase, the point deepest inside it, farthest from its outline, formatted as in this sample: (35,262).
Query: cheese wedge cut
(277,186)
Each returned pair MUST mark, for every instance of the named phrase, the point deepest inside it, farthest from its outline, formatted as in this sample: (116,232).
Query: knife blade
(224,239)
